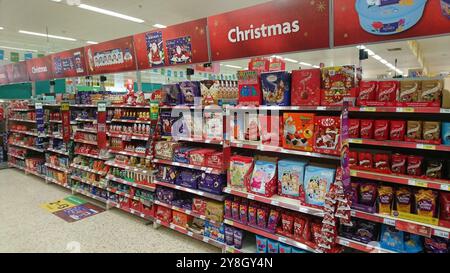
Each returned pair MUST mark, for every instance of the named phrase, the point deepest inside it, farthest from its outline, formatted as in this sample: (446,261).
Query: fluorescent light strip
(316,66)
(159,26)
(290,60)
(2,28)
(233,66)
(307,64)
(45,35)
(111,13)
(91,43)
(20,49)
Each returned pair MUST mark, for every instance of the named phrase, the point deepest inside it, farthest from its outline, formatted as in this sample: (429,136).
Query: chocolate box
(165,195)
(271,129)
(241,168)
(249,88)
(214,211)
(259,64)
(367,91)
(409,91)
(337,83)
(215,231)
(171,94)
(210,91)
(181,219)
(198,157)
(164,214)
(190,92)
(431,91)
(188,178)
(387,91)
(327,135)
(181,154)
(167,173)
(166,123)
(212,183)
(276,87)
(298,131)
(165,149)
(305,88)
(290,177)
(264,178)
(199,205)
(215,160)
(213,125)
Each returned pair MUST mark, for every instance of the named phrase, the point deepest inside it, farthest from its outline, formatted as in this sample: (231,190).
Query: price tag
(344,242)
(405,109)
(418,183)
(250,196)
(282,239)
(172,226)
(275,203)
(190,234)
(353,213)
(356,140)
(177,187)
(388,221)
(441,233)
(426,146)
(353,173)
(205,239)
(445,111)
(321,108)
(445,187)
(368,109)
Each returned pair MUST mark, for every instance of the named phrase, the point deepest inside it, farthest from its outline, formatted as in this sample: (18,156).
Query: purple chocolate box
(190,92)
(188,179)
(212,183)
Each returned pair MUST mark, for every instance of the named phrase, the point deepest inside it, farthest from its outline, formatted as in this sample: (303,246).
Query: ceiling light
(361,47)
(91,43)
(233,66)
(2,28)
(57,1)
(276,56)
(376,57)
(290,60)
(16,48)
(159,26)
(111,13)
(383,61)
(316,66)
(47,35)
(307,64)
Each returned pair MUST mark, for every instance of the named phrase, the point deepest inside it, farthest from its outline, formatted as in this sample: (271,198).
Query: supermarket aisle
(25,227)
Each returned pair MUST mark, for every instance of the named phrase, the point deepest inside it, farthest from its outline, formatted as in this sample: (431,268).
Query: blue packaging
(181,154)
(276,87)
(261,244)
(272,246)
(298,250)
(284,249)
(386,17)
(317,183)
(445,133)
(290,177)
(190,93)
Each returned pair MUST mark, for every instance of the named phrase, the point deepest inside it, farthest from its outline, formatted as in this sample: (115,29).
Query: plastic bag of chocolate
(409,91)
(414,130)
(434,168)
(431,91)
(431,130)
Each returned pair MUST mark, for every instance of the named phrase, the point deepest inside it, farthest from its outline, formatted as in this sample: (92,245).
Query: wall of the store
(15,91)
(44,87)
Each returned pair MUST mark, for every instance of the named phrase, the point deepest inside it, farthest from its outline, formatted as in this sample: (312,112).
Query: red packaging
(164,214)
(366,130)
(327,135)
(381,129)
(353,128)
(365,159)
(397,130)
(287,223)
(445,206)
(271,129)
(353,158)
(299,228)
(199,206)
(200,156)
(367,91)
(249,86)
(414,165)
(305,87)
(387,91)
(381,161)
(215,160)
(398,163)
(259,64)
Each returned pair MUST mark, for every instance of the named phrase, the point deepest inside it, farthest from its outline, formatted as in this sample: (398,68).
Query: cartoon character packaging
(327,135)
(190,92)
(241,168)
(317,183)
(264,178)
(298,131)
(249,88)
(305,87)
(290,177)
(276,88)
(337,83)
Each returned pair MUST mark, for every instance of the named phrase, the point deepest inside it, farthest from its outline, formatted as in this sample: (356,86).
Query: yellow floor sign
(57,205)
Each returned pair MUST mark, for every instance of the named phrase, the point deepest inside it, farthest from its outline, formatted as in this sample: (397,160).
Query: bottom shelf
(88,194)
(191,234)
(54,181)
(373,248)
(132,211)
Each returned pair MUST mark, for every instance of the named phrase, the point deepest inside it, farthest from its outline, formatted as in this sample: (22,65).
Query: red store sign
(111,57)
(17,72)
(3,75)
(69,63)
(274,27)
(40,69)
(179,44)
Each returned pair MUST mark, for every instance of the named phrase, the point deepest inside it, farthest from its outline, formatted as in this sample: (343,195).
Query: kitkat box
(298,131)
(249,88)
(305,88)
(327,131)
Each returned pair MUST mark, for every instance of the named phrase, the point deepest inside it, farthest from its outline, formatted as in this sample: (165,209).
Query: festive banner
(40,69)
(368,21)
(101,126)
(273,27)
(111,57)
(17,72)
(14,57)
(3,75)
(2,54)
(28,56)
(65,116)
(69,63)
(179,44)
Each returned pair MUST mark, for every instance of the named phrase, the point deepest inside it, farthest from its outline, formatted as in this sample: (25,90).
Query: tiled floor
(26,227)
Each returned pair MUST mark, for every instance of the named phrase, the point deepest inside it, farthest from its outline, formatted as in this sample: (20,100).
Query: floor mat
(72,209)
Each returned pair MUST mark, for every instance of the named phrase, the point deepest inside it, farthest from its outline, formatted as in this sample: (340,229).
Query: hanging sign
(101,126)
(3,75)
(69,63)
(272,27)
(39,117)
(368,21)
(111,57)
(14,57)
(28,56)
(17,72)
(179,44)
(2,54)
(65,116)
(40,69)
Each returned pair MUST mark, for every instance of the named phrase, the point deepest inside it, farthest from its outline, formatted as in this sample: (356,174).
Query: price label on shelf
(205,239)
(353,173)
(388,221)
(344,242)
(445,187)
(356,141)
(445,111)
(368,109)
(275,203)
(190,234)
(250,196)
(441,233)
(405,110)
(282,239)
(426,146)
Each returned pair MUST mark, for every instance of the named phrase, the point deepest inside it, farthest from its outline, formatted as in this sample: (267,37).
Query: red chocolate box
(353,128)
(199,157)
(387,91)
(367,91)
(367,128)
(381,130)
(327,135)
(397,130)
(305,87)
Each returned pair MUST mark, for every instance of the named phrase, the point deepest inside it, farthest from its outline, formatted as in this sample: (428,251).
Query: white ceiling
(83,25)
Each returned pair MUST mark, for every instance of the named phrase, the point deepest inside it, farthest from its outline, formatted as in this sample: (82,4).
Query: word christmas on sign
(39,69)
(237,35)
